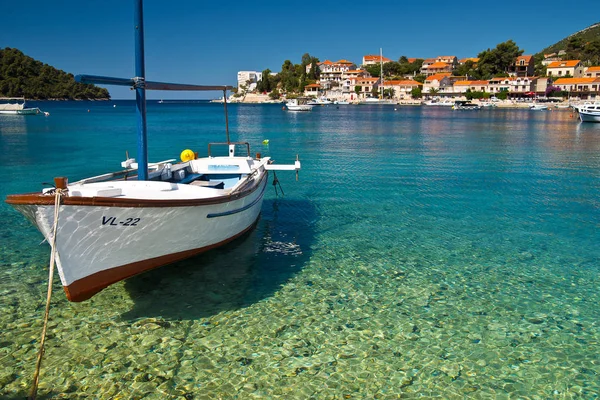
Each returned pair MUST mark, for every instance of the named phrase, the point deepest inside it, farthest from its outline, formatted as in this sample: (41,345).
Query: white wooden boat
(110,227)
(16,106)
(538,107)
(299,104)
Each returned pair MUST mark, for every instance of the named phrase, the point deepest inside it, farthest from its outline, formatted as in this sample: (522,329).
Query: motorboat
(590,112)
(320,101)
(465,105)
(298,104)
(16,106)
(106,228)
(442,103)
(538,107)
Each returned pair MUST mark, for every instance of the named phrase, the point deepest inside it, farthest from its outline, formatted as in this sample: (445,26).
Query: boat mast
(140,91)
(140,85)
(381,71)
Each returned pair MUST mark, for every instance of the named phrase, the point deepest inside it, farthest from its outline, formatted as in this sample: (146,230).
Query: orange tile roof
(316,85)
(464,60)
(406,82)
(593,69)
(367,80)
(376,58)
(479,83)
(526,58)
(411,60)
(575,81)
(439,65)
(462,83)
(344,62)
(564,64)
(355,71)
(438,77)
(327,62)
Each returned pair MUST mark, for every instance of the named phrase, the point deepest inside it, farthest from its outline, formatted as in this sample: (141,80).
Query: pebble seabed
(341,327)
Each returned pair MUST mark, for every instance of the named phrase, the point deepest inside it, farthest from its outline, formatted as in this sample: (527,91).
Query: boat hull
(305,107)
(589,116)
(25,111)
(100,244)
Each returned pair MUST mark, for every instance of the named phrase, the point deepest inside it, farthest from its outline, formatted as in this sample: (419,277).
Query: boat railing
(231,146)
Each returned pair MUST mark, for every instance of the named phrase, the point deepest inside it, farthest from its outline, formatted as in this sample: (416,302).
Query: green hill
(22,76)
(583,45)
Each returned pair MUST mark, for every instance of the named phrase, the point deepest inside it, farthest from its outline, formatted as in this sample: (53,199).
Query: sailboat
(380,99)
(106,228)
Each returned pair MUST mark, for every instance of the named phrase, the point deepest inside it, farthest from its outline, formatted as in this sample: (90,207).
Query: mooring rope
(33,394)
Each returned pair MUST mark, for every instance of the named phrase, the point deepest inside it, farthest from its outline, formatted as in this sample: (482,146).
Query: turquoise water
(424,253)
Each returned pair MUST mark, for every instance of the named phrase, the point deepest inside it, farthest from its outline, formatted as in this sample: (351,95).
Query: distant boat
(590,113)
(321,101)
(538,107)
(160,102)
(437,102)
(299,104)
(465,105)
(341,102)
(16,106)
(377,100)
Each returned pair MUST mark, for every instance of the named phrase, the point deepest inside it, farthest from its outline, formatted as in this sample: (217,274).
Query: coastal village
(345,81)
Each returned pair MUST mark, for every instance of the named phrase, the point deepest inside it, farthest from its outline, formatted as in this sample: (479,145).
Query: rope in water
(33,394)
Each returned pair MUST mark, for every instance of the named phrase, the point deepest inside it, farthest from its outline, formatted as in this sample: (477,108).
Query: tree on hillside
(265,84)
(497,61)
(373,69)
(314,72)
(466,69)
(22,76)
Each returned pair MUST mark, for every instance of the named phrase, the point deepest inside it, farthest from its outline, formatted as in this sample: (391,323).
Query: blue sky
(207,42)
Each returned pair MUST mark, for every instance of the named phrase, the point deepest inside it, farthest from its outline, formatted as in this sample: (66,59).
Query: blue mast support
(140,85)
(140,91)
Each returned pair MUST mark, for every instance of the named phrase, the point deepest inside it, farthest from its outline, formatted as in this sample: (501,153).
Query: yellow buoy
(187,155)
(266,141)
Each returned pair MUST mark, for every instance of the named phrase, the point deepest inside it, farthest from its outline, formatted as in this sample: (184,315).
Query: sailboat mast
(381,70)
(140,91)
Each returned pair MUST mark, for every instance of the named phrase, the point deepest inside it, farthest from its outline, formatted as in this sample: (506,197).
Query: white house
(248,79)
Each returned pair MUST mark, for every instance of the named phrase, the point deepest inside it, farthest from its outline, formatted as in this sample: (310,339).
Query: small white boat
(589,116)
(465,105)
(538,107)
(442,103)
(590,112)
(107,228)
(377,100)
(341,102)
(299,104)
(16,106)
(321,101)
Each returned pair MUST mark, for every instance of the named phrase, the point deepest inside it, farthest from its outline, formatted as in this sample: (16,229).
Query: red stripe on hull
(85,288)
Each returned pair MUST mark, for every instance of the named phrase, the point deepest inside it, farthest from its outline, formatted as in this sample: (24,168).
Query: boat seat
(209,184)
(190,178)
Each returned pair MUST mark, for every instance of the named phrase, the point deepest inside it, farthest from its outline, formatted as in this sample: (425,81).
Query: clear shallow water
(424,252)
